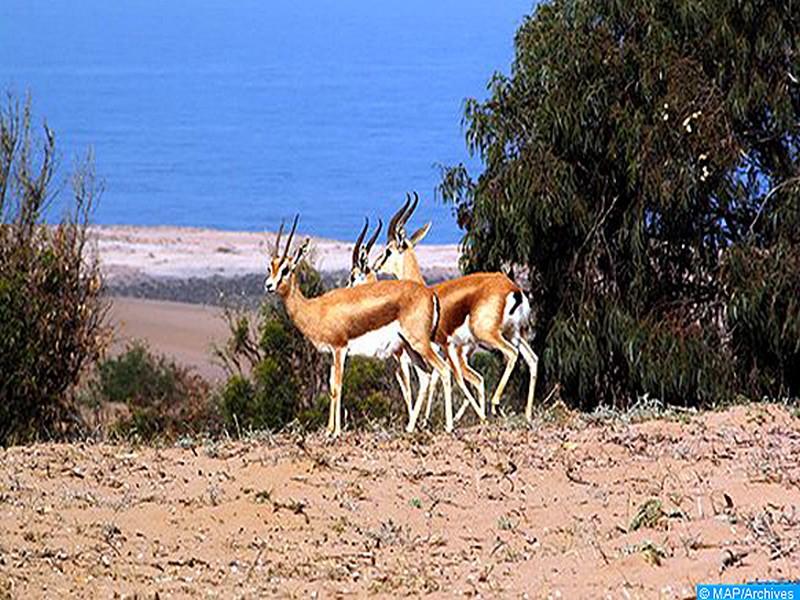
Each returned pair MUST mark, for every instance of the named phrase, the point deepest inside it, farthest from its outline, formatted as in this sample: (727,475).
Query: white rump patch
(380,343)
(517,320)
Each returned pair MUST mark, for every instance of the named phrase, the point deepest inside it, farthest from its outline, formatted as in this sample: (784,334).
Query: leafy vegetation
(640,170)
(51,305)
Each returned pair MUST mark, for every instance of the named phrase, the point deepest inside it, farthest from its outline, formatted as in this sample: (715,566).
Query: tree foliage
(640,168)
(51,308)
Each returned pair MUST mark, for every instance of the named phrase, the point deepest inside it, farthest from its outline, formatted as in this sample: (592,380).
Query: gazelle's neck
(296,304)
(411,270)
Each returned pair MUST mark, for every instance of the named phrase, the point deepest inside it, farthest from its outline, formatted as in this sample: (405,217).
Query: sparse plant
(504,523)
(51,302)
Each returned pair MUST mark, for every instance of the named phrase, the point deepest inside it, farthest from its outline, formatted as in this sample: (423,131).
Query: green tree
(640,169)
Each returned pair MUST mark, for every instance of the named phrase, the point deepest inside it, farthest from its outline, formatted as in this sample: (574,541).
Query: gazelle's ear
(302,251)
(420,233)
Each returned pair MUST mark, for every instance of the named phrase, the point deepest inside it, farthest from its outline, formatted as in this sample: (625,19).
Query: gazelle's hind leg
(529,356)
(495,340)
(425,380)
(476,379)
(431,392)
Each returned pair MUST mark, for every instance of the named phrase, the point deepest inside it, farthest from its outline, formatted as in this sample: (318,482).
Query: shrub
(51,304)
(763,311)
(368,391)
(161,399)
(266,400)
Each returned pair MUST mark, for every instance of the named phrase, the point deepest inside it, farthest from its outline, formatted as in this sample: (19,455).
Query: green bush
(162,399)
(368,391)
(316,416)
(763,310)
(51,304)
(266,400)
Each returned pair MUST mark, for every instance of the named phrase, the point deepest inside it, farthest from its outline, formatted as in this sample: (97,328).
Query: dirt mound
(572,510)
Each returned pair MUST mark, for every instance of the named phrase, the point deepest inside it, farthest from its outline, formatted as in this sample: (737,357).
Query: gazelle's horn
(410,211)
(291,236)
(278,242)
(393,223)
(357,247)
(371,241)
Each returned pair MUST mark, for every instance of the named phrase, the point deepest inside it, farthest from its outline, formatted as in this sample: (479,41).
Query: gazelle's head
(398,244)
(281,266)
(361,271)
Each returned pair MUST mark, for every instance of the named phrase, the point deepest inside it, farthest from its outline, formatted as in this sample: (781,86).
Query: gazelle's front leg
(424,379)
(337,377)
(473,377)
(510,353)
(403,376)
(332,394)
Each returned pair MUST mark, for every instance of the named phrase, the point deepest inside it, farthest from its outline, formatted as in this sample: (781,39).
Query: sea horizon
(235,116)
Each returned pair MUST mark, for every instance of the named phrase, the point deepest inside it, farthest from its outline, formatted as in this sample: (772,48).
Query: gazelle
(374,319)
(478,310)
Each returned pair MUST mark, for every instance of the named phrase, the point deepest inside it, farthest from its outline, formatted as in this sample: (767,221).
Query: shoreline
(128,253)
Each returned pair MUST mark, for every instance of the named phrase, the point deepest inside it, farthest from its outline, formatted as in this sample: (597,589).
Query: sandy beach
(129,252)
(184,332)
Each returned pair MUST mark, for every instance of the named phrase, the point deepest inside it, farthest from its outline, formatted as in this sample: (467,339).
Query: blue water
(236,113)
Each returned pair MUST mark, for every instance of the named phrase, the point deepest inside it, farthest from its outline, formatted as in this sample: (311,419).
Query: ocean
(233,114)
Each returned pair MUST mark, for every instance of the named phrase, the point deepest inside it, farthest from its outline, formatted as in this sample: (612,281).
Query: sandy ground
(183,332)
(130,252)
(546,511)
